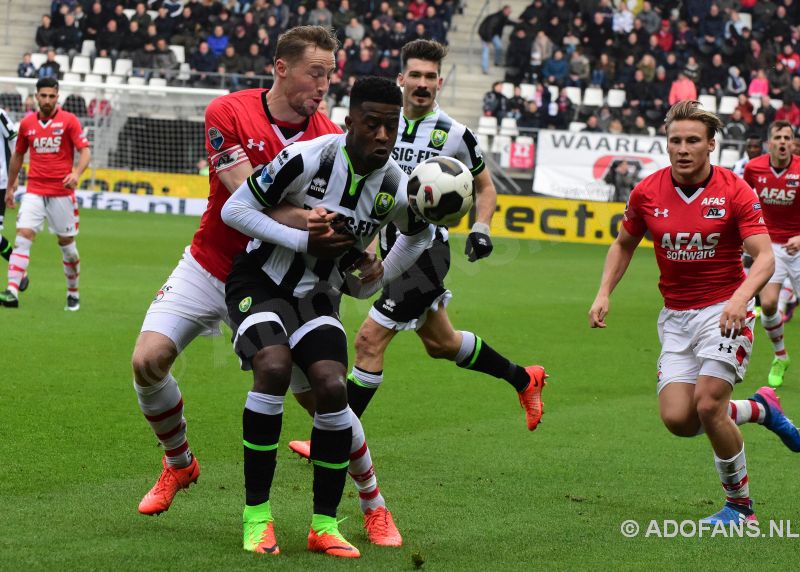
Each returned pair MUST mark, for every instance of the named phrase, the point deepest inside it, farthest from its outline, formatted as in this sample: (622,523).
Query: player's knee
(680,424)
(150,364)
(270,372)
(330,392)
(306,401)
(65,240)
(709,410)
(366,347)
(26,233)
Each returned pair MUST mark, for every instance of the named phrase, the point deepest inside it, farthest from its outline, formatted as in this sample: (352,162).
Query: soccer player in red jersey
(52,135)
(775,177)
(243,130)
(699,216)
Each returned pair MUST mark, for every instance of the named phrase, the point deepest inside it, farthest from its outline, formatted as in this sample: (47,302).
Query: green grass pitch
(470,487)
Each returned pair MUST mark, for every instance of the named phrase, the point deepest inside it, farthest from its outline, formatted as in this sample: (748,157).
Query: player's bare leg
(72,271)
(18,267)
(469,351)
(772,320)
(366,376)
(162,405)
(687,410)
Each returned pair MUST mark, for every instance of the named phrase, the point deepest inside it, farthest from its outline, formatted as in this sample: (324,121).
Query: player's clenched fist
(598,312)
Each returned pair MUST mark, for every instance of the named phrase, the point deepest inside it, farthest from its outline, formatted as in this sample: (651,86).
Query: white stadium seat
(593,97)
(92,78)
(616,98)
(180,53)
(63,61)
(709,102)
(574,95)
(553,89)
(102,66)
(87,48)
(129,12)
(500,143)
(136,80)
(114,80)
(728,157)
(338,114)
(483,141)
(72,77)
(81,64)
(508,126)
(524,140)
(756,101)
(487,125)
(727,105)
(527,91)
(38,59)
(508,89)
(157,82)
(576,126)
(123,66)
(776,103)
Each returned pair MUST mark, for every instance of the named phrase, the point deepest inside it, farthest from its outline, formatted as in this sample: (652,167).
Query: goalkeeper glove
(479,245)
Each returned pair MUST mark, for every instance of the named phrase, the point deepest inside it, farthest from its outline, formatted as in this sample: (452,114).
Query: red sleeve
(222,141)
(22,138)
(77,135)
(748,211)
(632,220)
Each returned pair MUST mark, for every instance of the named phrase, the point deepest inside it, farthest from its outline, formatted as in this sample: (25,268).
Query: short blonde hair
(690,110)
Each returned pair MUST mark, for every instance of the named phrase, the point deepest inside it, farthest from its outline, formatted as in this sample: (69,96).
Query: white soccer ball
(441,190)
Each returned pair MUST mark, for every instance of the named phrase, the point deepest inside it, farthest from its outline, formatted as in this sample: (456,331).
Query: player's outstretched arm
(479,245)
(734,315)
(617,261)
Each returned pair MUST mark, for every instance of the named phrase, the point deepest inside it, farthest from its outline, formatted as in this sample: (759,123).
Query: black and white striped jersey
(319,173)
(430,136)
(8,132)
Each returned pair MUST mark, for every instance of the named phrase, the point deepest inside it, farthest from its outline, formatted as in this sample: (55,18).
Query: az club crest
(215,138)
(383,204)
(438,138)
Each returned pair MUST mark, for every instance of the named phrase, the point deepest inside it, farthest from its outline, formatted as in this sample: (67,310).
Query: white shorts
(692,345)
(61,214)
(192,303)
(786,266)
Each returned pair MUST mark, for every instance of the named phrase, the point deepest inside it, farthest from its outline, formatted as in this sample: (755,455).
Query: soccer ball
(441,191)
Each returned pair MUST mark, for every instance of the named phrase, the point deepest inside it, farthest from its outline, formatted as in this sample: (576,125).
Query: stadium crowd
(235,37)
(658,53)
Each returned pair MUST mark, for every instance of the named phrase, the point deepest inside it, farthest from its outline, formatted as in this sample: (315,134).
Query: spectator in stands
(682,89)
(253,64)
(516,104)
(615,127)
(664,36)
(518,56)
(714,77)
(165,60)
(68,37)
(490,32)
(780,26)
(281,12)
(119,15)
(94,21)
(650,19)
(759,85)
(779,80)
(50,68)
(622,21)
(648,67)
(387,67)
(265,45)
(218,41)
(592,125)
(625,73)
(659,93)
(230,64)
(692,69)
(685,39)
(555,69)
(418,33)
(202,63)
(298,18)
(417,8)
(434,25)
(173,7)
(164,23)
(495,104)
(745,107)
(735,84)
(639,126)
(531,119)
(184,33)
(759,126)
(144,59)
(363,66)
(712,31)
(240,40)
(45,34)
(734,27)
(767,109)
(603,72)
(793,95)
(534,15)
(320,15)
(26,67)
(580,67)
(342,16)
(599,37)
(132,40)
(141,16)
(790,59)
(637,93)
(622,179)
(109,41)
(355,30)
(736,128)
(561,111)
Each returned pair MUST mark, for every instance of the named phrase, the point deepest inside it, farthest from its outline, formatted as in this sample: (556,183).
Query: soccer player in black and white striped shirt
(283,297)
(8,132)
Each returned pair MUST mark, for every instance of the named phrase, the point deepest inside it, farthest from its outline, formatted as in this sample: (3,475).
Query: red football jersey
(52,144)
(698,240)
(239,128)
(778,195)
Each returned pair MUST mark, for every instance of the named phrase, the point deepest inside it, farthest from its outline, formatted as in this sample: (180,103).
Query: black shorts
(2,207)
(404,301)
(263,314)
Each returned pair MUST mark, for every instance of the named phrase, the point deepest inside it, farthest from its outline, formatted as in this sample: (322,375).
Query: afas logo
(47,144)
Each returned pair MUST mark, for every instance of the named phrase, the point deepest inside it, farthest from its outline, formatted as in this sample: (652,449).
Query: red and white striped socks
(162,406)
(733,474)
(774,327)
(362,471)
(72,267)
(18,263)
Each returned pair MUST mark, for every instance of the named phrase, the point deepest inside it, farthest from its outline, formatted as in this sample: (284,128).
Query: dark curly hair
(376,90)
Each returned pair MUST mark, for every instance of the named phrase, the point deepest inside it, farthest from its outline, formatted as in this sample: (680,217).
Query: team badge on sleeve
(438,138)
(245,304)
(215,138)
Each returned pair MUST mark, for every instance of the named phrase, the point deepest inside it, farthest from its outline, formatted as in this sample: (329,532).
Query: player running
(698,217)
(776,180)
(243,129)
(52,135)
(284,302)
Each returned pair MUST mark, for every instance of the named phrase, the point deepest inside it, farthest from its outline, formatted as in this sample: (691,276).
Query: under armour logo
(722,348)
(762,179)
(658,212)
(251,143)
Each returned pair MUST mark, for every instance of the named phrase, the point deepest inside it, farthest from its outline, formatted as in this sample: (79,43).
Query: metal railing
(188,78)
(450,82)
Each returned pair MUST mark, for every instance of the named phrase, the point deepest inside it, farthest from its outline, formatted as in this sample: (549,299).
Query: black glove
(479,245)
